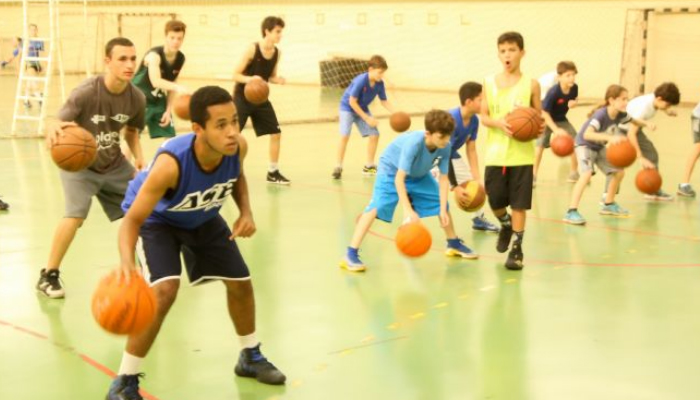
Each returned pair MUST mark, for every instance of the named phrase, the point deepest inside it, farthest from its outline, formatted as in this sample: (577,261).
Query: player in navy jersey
(260,61)
(172,209)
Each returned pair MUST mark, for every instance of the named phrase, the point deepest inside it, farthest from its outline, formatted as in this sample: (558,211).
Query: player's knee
(239,289)
(166,292)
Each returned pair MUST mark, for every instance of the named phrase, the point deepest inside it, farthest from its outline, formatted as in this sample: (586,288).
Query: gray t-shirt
(602,123)
(104,114)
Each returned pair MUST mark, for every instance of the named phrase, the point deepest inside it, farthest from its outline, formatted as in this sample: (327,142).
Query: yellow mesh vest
(501,150)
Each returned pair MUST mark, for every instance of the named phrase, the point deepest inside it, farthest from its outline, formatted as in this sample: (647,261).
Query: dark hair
(175,26)
(512,37)
(34,25)
(438,121)
(118,41)
(469,91)
(566,66)
(377,61)
(612,92)
(270,23)
(205,97)
(668,91)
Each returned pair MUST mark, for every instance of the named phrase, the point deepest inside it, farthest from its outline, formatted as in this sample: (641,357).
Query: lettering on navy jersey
(213,197)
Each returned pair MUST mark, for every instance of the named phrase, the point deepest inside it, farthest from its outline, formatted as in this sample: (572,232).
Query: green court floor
(605,311)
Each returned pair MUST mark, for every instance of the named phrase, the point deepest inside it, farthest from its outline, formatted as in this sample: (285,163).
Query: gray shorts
(347,118)
(543,141)
(695,123)
(588,158)
(647,148)
(110,187)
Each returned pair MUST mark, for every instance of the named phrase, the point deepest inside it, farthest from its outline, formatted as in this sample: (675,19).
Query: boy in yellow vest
(508,175)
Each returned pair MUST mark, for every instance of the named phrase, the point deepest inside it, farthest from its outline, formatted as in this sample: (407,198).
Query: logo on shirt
(560,101)
(213,197)
(121,118)
(436,161)
(106,140)
(97,118)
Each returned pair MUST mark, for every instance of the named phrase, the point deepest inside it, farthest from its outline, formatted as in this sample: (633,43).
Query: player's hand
(280,80)
(243,227)
(410,216)
(2,64)
(651,126)
(572,103)
(559,131)
(55,131)
(165,120)
(371,121)
(127,272)
(504,126)
(646,164)
(182,90)
(615,139)
(255,77)
(444,218)
(139,164)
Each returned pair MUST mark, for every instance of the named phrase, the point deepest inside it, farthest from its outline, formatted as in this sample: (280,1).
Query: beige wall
(438,45)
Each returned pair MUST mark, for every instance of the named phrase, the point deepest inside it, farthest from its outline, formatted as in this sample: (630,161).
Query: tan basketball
(75,150)
(400,121)
(525,123)
(256,91)
(470,196)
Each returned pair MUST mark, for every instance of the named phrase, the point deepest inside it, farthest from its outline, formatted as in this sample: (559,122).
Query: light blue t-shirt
(363,92)
(409,153)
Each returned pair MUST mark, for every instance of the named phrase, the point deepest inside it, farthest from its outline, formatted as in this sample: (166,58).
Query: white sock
(273,167)
(479,214)
(248,341)
(131,365)
(685,184)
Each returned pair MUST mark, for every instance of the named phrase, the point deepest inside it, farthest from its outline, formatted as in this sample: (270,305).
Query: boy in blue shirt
(354,109)
(404,177)
(464,135)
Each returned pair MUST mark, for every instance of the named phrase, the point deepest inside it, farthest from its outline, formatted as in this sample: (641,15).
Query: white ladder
(21,113)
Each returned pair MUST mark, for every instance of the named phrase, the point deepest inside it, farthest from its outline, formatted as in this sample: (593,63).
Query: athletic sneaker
(573,177)
(50,284)
(685,190)
(614,209)
(514,261)
(574,217)
(277,177)
(456,248)
(27,104)
(482,224)
(252,364)
(659,196)
(337,173)
(352,261)
(4,206)
(125,387)
(504,237)
(369,170)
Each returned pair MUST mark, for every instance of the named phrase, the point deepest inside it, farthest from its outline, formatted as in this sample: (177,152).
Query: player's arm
(489,122)
(274,78)
(400,184)
(131,136)
(536,101)
(633,137)
(152,62)
(355,105)
(163,175)
(473,159)
(242,64)
(244,225)
(592,135)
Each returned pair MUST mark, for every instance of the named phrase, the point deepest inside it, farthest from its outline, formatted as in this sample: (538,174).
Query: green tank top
(501,149)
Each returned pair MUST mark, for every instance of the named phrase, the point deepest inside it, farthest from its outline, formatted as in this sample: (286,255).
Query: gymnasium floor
(606,311)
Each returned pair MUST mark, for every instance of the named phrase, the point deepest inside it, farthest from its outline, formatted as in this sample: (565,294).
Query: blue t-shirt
(556,103)
(199,194)
(364,93)
(462,133)
(601,123)
(409,153)
(35,46)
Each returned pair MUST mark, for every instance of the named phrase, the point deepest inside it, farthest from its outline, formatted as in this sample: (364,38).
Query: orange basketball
(256,91)
(621,154)
(413,239)
(525,123)
(648,181)
(562,145)
(181,106)
(400,121)
(75,150)
(123,309)
(470,196)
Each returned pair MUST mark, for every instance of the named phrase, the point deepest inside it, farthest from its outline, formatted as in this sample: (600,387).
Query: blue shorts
(424,194)
(207,251)
(347,118)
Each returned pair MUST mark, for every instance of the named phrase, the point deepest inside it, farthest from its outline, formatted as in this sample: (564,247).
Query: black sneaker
(337,173)
(50,284)
(252,364)
(125,387)
(277,177)
(515,259)
(4,206)
(504,237)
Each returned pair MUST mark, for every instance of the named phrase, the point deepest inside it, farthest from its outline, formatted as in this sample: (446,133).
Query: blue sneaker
(125,387)
(252,364)
(352,261)
(574,217)
(614,209)
(456,248)
(482,224)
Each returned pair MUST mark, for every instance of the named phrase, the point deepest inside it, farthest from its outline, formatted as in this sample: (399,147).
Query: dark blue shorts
(207,251)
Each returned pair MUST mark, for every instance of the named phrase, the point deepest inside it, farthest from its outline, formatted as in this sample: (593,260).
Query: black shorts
(263,116)
(509,186)
(207,251)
